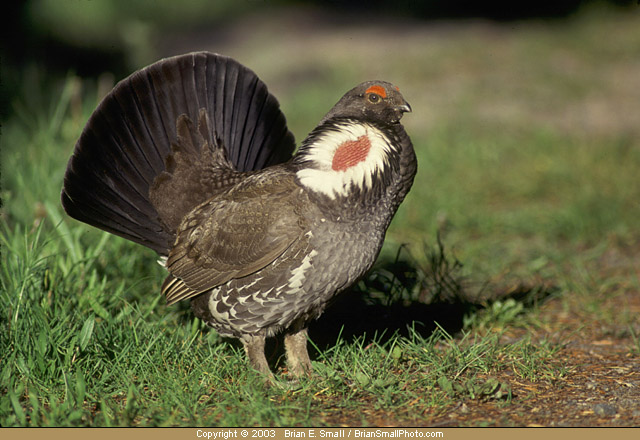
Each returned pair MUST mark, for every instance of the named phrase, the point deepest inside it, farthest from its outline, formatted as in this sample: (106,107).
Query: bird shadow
(401,297)
(397,298)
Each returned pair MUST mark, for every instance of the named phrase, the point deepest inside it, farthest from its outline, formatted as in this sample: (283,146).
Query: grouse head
(357,144)
(371,101)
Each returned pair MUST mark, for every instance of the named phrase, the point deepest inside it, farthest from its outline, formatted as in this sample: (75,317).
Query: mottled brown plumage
(236,233)
(192,158)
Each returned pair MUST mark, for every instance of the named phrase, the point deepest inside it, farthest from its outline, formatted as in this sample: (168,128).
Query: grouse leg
(254,347)
(295,345)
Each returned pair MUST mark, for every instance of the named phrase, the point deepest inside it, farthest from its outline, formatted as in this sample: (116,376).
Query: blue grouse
(191,157)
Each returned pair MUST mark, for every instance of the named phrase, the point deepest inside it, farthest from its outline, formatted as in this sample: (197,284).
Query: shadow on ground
(426,300)
(400,297)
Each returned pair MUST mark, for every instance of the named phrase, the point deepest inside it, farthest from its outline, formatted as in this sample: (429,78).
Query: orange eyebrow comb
(378,90)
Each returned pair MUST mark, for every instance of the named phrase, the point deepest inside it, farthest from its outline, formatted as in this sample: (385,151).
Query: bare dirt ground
(600,355)
(601,386)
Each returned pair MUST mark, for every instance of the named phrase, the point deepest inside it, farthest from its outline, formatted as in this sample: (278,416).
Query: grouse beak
(400,109)
(404,107)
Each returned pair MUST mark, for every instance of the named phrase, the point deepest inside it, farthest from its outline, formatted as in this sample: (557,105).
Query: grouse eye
(374,98)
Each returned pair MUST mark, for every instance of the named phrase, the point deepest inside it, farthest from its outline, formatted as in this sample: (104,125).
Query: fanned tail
(166,139)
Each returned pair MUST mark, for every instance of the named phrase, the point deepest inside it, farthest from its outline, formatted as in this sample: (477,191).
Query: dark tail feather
(132,137)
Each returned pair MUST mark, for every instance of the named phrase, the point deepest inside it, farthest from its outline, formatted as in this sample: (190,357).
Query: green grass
(522,197)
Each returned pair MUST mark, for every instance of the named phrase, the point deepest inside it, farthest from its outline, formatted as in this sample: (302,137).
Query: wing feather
(234,235)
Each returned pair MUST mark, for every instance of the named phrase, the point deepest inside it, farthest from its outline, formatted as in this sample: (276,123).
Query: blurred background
(525,116)
(437,47)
